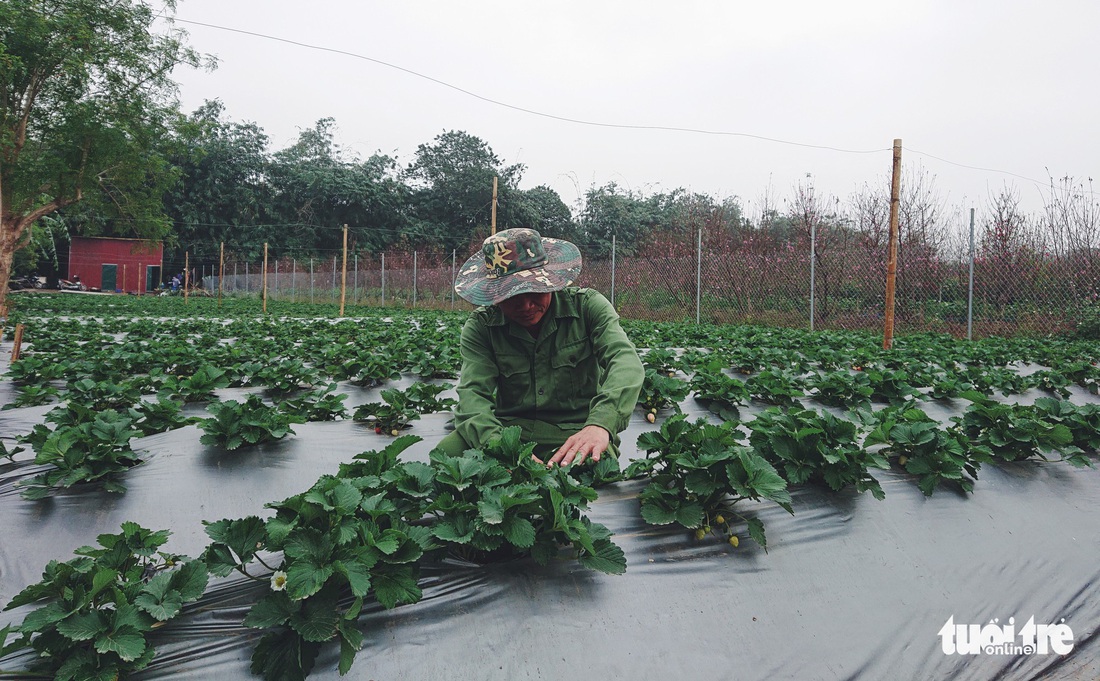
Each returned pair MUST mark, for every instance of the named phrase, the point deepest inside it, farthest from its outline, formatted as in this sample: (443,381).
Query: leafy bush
(99,608)
(808,445)
(698,472)
(96,447)
(251,422)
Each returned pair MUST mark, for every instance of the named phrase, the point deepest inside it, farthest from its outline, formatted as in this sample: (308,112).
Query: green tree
(85,95)
(452,184)
(222,193)
(319,187)
(542,208)
(608,212)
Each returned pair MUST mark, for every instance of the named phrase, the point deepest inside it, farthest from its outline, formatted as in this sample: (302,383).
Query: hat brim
(563,265)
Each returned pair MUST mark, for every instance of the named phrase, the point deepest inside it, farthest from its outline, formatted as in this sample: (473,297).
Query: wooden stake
(265,278)
(221,272)
(17,342)
(123,287)
(493,224)
(344,275)
(892,252)
(186,273)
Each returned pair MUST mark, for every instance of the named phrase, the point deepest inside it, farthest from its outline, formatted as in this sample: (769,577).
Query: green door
(110,278)
(152,277)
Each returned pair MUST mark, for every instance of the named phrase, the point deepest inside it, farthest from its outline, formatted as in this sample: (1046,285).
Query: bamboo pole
(344,275)
(221,271)
(123,287)
(265,278)
(186,273)
(493,224)
(892,252)
(17,342)
(970,285)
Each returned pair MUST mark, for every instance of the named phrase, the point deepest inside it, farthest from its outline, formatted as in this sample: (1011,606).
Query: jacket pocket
(514,384)
(576,373)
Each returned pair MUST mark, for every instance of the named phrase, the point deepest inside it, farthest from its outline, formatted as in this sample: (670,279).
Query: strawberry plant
(949,386)
(33,369)
(843,389)
(99,395)
(1083,420)
(94,448)
(1014,432)
(661,360)
(9,454)
(933,454)
(33,396)
(286,376)
(698,472)
(389,416)
(235,424)
(98,609)
(499,499)
(340,542)
(723,395)
(318,405)
(891,385)
(441,362)
(1052,381)
(424,397)
(159,417)
(809,445)
(661,392)
(199,386)
(775,387)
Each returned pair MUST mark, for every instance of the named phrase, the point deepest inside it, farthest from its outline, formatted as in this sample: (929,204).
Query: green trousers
(547,436)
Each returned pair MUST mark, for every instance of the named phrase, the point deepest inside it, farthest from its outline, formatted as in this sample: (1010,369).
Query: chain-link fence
(823,281)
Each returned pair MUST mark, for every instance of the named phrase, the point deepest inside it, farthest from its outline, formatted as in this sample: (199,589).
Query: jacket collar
(562,304)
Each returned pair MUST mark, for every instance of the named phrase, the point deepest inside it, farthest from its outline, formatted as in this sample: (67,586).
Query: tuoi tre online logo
(997,639)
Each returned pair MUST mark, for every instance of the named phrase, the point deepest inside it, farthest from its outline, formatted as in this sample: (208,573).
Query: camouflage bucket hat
(515,261)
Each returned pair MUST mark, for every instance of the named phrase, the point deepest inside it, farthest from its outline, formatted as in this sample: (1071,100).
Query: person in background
(550,358)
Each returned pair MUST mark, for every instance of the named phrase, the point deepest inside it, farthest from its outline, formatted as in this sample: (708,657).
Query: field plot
(195,491)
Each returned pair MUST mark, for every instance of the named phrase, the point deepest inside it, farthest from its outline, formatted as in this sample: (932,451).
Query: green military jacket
(581,370)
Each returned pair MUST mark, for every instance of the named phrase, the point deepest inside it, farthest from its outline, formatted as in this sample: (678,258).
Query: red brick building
(109,264)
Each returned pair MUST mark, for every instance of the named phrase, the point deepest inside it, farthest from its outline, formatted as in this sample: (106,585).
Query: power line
(533,112)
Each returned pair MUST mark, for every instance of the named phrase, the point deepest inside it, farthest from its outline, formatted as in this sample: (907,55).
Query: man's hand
(590,441)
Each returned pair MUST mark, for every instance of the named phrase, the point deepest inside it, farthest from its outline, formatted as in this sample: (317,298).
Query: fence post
(970,285)
(311,280)
(383,280)
(454,252)
(355,280)
(221,271)
(892,248)
(276,278)
(698,275)
(344,273)
(414,279)
(612,270)
(265,277)
(813,259)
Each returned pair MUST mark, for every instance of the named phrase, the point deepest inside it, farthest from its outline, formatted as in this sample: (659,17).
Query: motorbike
(25,281)
(74,285)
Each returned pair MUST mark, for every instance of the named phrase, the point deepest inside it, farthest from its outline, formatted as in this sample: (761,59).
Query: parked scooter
(73,285)
(25,281)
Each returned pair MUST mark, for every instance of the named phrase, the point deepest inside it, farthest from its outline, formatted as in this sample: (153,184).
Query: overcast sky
(1008,86)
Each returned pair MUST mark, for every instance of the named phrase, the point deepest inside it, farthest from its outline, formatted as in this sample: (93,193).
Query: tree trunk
(10,230)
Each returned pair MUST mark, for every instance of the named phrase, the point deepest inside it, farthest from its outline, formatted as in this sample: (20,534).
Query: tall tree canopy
(85,95)
(319,187)
(452,181)
(222,192)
